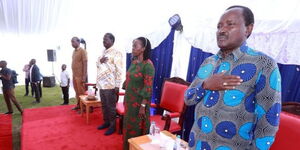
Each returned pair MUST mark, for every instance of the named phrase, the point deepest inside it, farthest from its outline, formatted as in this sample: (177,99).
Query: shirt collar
(237,53)
(109,49)
(78,48)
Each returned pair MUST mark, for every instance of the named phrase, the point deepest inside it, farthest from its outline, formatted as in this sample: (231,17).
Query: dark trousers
(27,83)
(40,88)
(109,101)
(37,90)
(65,91)
(9,95)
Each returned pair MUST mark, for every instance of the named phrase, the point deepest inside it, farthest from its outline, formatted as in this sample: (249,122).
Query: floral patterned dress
(139,82)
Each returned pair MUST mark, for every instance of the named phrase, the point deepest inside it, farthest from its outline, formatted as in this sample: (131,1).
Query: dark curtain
(128,60)
(197,57)
(162,58)
(290,82)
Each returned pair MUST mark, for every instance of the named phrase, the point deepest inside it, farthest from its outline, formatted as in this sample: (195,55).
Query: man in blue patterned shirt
(237,92)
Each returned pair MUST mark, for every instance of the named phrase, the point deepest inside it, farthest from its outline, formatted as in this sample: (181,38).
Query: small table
(88,104)
(136,142)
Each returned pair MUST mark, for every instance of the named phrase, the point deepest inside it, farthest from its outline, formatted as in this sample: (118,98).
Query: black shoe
(7,113)
(63,104)
(110,131)
(25,94)
(103,126)
(35,102)
(75,108)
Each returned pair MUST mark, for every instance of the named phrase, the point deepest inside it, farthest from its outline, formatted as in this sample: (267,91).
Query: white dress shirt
(64,77)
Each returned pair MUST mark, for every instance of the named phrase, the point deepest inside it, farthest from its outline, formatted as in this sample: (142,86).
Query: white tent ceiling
(29,27)
(130,16)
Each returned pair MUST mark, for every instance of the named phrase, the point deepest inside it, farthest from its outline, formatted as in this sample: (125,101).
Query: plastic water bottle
(177,143)
(152,129)
(90,91)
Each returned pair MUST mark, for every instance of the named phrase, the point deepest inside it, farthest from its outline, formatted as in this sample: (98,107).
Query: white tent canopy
(29,27)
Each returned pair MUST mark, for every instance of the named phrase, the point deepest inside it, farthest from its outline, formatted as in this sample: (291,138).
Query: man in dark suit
(35,79)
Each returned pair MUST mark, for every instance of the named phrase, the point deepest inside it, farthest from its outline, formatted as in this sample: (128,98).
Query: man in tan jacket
(79,68)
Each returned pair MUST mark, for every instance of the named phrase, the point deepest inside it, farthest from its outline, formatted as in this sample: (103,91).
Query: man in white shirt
(26,69)
(65,84)
(109,72)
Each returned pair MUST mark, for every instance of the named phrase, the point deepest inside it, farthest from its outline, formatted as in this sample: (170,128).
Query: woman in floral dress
(139,82)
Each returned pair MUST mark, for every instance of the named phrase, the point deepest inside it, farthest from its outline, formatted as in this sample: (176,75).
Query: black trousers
(40,88)
(65,91)
(109,101)
(27,83)
(37,90)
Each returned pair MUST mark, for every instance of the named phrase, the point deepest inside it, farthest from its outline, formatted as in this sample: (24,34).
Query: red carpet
(5,132)
(60,128)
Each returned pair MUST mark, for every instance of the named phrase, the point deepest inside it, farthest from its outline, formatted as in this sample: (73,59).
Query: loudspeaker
(51,54)
(48,81)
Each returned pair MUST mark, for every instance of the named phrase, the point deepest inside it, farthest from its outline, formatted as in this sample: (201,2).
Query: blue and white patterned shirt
(246,117)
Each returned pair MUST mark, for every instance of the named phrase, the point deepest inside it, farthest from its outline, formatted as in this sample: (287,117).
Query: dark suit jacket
(35,74)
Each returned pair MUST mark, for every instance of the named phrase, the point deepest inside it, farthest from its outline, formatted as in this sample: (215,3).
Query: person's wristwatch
(143,105)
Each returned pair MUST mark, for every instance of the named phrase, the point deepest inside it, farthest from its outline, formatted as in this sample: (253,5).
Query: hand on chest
(226,73)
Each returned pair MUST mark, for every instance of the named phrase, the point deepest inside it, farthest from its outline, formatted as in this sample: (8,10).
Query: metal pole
(52,68)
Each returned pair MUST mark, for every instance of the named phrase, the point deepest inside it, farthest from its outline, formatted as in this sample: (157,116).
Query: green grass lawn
(51,97)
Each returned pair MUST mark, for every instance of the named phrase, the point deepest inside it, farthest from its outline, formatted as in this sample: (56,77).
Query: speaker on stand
(51,54)
(49,81)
